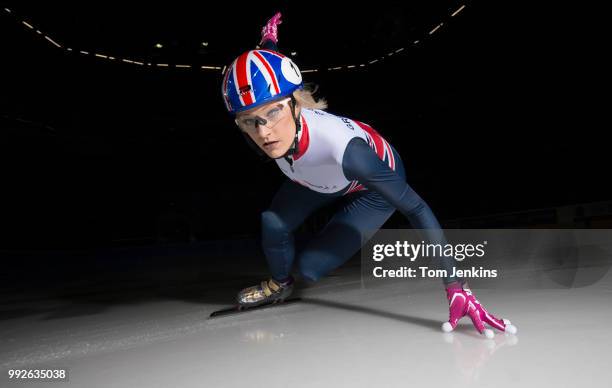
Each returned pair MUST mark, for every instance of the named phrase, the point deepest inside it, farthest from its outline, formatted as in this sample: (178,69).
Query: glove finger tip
(511,329)
(447,327)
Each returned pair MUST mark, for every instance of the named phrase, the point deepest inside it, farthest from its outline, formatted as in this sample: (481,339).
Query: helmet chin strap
(298,126)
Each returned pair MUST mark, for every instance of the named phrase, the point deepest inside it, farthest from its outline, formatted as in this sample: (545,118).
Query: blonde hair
(305,98)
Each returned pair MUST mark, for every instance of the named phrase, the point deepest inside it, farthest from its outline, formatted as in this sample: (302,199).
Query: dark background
(497,111)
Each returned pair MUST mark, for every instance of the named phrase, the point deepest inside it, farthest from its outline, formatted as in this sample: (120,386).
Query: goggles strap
(298,127)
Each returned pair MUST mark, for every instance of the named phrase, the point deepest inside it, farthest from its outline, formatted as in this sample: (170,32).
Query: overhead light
(436,28)
(53,42)
(294,53)
(158,45)
(134,62)
(458,10)
(205,44)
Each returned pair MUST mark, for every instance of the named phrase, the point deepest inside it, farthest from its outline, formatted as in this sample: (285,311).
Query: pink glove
(462,302)
(270,30)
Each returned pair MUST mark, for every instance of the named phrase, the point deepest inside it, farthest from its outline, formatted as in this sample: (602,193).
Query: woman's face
(277,134)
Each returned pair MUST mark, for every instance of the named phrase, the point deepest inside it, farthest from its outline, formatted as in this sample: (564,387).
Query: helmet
(257,77)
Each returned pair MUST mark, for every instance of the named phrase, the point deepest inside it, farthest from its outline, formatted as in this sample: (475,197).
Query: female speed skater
(325,158)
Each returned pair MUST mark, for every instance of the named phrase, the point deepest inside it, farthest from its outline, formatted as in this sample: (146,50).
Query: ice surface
(345,333)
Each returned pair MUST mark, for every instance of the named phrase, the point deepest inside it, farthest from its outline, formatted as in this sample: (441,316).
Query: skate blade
(240,309)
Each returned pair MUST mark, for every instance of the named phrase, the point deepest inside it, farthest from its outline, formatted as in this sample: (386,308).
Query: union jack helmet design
(257,77)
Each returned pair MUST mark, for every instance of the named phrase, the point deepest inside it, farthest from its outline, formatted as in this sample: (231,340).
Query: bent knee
(307,271)
(272,222)
(309,276)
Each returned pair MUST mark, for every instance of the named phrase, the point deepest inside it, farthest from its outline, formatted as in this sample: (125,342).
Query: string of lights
(222,69)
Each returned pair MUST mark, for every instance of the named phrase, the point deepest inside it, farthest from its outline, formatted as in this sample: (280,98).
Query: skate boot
(268,291)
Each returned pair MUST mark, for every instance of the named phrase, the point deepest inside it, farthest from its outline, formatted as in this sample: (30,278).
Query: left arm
(361,163)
